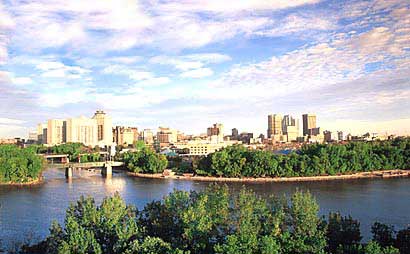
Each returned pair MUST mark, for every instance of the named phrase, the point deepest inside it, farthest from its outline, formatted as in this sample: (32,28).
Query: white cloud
(229,6)
(209,57)
(299,24)
(6,24)
(55,99)
(197,73)
(144,78)
(10,121)
(178,63)
(53,69)
(192,61)
(22,81)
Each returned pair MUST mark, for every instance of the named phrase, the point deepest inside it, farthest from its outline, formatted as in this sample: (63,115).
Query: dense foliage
(145,161)
(311,160)
(212,221)
(19,165)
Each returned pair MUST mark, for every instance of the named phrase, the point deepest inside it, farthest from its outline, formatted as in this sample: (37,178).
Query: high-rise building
(83,130)
(42,133)
(309,122)
(246,137)
(340,136)
(216,132)
(274,125)
(125,135)
(56,132)
(235,134)
(32,136)
(327,136)
(104,128)
(147,136)
(290,128)
(166,135)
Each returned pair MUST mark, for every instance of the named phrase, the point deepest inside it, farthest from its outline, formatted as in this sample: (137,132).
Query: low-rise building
(202,147)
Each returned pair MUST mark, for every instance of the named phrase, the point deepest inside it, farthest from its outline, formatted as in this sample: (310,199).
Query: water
(27,212)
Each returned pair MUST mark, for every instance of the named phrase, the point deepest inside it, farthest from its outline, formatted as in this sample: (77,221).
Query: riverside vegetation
(19,165)
(214,221)
(311,160)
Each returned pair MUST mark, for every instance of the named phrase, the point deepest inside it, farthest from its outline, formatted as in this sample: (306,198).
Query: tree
(342,232)
(307,232)
(374,248)
(145,161)
(403,241)
(19,165)
(383,234)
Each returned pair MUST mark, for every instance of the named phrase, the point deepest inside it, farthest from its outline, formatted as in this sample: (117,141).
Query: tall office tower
(340,136)
(83,130)
(147,136)
(125,135)
(235,134)
(327,136)
(290,128)
(167,135)
(309,122)
(216,131)
(56,132)
(274,125)
(104,128)
(42,133)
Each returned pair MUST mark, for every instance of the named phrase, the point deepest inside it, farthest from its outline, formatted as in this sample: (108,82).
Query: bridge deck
(98,164)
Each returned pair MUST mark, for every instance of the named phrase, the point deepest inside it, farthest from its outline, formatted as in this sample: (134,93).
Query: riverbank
(29,183)
(361,175)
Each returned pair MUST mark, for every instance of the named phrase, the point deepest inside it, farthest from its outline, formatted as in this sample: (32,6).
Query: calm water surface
(29,211)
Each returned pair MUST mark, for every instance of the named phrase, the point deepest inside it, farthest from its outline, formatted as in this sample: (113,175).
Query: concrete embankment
(361,175)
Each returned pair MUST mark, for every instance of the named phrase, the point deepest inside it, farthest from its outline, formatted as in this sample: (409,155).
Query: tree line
(19,165)
(311,160)
(214,221)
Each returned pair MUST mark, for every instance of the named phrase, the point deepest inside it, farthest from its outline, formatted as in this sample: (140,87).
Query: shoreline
(361,175)
(29,183)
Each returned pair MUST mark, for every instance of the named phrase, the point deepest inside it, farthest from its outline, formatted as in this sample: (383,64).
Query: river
(27,212)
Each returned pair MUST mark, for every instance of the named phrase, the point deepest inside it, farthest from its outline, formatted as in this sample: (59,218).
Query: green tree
(383,234)
(145,161)
(342,232)
(403,241)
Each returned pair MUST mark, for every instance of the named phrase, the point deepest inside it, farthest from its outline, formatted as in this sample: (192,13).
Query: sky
(187,64)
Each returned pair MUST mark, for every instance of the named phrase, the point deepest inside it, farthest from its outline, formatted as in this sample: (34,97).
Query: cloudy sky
(186,64)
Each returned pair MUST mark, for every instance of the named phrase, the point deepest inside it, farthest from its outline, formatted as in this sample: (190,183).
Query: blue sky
(187,64)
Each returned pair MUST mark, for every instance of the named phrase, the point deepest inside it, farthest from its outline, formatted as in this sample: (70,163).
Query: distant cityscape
(283,132)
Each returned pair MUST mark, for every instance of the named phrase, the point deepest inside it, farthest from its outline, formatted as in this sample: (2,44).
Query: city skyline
(187,64)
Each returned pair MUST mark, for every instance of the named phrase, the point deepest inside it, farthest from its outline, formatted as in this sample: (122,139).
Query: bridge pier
(68,172)
(107,170)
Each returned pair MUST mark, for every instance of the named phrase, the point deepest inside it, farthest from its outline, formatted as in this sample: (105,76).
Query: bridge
(106,167)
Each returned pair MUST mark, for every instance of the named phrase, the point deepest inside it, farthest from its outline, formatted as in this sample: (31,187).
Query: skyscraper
(56,131)
(309,122)
(235,134)
(104,127)
(274,125)
(83,130)
(216,132)
(290,128)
